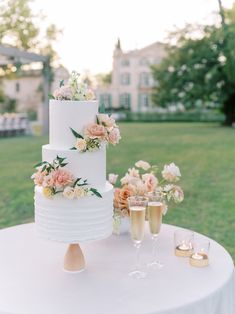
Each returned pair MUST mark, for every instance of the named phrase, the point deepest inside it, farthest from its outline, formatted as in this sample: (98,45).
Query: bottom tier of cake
(72,221)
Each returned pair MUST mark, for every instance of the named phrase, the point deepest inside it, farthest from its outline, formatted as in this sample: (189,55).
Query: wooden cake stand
(74,259)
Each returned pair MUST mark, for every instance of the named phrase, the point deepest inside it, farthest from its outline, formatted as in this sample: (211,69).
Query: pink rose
(114,136)
(49,181)
(150,181)
(62,177)
(94,130)
(63,93)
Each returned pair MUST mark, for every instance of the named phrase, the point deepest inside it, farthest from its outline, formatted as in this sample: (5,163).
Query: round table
(32,280)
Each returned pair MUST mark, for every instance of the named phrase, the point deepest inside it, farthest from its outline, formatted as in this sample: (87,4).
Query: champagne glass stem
(137,246)
(154,240)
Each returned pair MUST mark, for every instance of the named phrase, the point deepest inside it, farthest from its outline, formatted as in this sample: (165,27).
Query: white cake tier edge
(72,221)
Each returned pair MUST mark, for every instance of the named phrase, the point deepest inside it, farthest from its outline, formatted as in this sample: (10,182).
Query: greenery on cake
(75,89)
(54,179)
(104,130)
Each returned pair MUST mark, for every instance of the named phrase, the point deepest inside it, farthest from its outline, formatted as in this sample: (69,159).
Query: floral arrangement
(54,179)
(105,130)
(74,90)
(142,179)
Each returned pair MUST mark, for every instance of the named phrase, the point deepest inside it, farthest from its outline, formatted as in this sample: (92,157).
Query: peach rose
(121,196)
(94,130)
(114,136)
(62,177)
(38,177)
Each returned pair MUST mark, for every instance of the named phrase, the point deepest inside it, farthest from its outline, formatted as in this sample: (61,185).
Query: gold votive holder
(183,240)
(199,260)
(200,257)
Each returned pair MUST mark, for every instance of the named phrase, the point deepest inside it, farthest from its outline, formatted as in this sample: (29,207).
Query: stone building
(132,79)
(26,89)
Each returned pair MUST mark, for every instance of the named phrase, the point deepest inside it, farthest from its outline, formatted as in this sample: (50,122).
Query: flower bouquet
(139,180)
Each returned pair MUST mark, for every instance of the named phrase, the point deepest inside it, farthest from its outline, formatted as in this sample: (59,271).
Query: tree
(19,27)
(200,72)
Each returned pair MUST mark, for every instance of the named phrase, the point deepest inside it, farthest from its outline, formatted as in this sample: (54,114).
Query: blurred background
(164,69)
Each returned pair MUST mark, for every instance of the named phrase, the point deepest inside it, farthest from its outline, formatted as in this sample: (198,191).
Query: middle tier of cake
(90,165)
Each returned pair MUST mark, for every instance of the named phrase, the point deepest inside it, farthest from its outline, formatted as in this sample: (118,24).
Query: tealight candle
(183,243)
(199,258)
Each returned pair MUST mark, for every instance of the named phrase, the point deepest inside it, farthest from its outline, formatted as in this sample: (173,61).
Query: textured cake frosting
(75,220)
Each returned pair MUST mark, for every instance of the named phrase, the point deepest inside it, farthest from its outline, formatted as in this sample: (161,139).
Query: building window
(144,61)
(17,87)
(144,79)
(106,100)
(125,79)
(143,101)
(125,101)
(125,62)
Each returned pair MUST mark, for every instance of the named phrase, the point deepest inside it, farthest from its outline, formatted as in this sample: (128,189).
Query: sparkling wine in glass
(137,207)
(155,210)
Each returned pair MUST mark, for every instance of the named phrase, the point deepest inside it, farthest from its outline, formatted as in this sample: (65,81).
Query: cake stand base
(74,260)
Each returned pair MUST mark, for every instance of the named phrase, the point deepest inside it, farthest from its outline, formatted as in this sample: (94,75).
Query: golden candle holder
(199,260)
(183,251)
(74,259)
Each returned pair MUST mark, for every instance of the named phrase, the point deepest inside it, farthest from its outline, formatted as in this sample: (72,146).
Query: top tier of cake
(64,115)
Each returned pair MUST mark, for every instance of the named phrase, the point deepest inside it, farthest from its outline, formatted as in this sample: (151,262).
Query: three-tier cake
(73,200)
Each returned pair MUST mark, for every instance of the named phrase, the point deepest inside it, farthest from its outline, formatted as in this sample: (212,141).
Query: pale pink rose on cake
(81,144)
(171,173)
(94,130)
(150,181)
(114,136)
(49,181)
(107,121)
(69,192)
(63,93)
(38,177)
(62,177)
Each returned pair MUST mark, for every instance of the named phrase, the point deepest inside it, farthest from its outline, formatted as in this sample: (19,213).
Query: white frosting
(71,221)
(65,114)
(88,165)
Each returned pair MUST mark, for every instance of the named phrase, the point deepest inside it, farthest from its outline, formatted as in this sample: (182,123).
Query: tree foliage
(200,72)
(21,28)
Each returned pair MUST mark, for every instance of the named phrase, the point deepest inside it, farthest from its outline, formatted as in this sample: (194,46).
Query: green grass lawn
(205,154)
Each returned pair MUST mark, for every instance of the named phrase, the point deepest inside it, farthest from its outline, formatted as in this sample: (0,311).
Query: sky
(91,27)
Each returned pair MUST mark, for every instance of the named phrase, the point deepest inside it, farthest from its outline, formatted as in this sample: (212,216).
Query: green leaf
(75,183)
(61,83)
(94,191)
(73,148)
(63,164)
(40,164)
(77,135)
(50,96)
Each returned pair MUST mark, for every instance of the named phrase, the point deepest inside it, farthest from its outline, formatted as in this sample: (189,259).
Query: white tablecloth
(32,280)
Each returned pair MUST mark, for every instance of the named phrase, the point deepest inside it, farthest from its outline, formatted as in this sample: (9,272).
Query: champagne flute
(155,210)
(137,207)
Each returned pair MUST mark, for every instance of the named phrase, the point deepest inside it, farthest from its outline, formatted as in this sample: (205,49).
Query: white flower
(80,192)
(177,194)
(133,172)
(171,172)
(81,144)
(143,165)
(128,179)
(90,95)
(113,178)
(167,188)
(107,121)
(69,192)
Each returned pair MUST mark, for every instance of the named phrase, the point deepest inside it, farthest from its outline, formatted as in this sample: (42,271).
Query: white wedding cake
(73,200)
